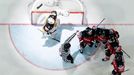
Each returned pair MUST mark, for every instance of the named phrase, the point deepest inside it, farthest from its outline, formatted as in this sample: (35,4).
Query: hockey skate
(115,73)
(105,59)
(91,44)
(96,43)
(68,59)
(81,50)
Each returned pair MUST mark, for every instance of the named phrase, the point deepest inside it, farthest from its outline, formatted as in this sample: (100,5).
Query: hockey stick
(126,53)
(41,31)
(56,39)
(39,6)
(71,37)
(100,22)
(51,38)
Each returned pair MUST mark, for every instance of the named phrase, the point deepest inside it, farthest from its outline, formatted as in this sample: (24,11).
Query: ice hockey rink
(24,51)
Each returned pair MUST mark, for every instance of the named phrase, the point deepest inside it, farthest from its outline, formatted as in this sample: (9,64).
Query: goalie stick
(41,31)
(67,40)
(55,39)
(50,37)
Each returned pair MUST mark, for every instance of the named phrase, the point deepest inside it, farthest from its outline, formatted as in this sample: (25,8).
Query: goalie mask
(50,20)
(54,13)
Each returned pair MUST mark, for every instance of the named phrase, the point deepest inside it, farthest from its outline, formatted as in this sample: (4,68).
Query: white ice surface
(115,11)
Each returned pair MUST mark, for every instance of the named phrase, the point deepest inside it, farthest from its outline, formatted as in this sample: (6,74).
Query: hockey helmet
(67,46)
(50,20)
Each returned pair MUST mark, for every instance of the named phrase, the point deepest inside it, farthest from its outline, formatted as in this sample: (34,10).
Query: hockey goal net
(74,7)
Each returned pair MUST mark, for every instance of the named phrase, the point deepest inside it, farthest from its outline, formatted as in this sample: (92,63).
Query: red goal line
(72,12)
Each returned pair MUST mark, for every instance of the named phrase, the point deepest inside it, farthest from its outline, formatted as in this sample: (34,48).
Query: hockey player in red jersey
(115,33)
(86,38)
(118,63)
(110,48)
(96,31)
(101,35)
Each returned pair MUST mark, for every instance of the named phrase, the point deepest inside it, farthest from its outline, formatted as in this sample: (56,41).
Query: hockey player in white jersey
(51,25)
(65,49)
(65,53)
